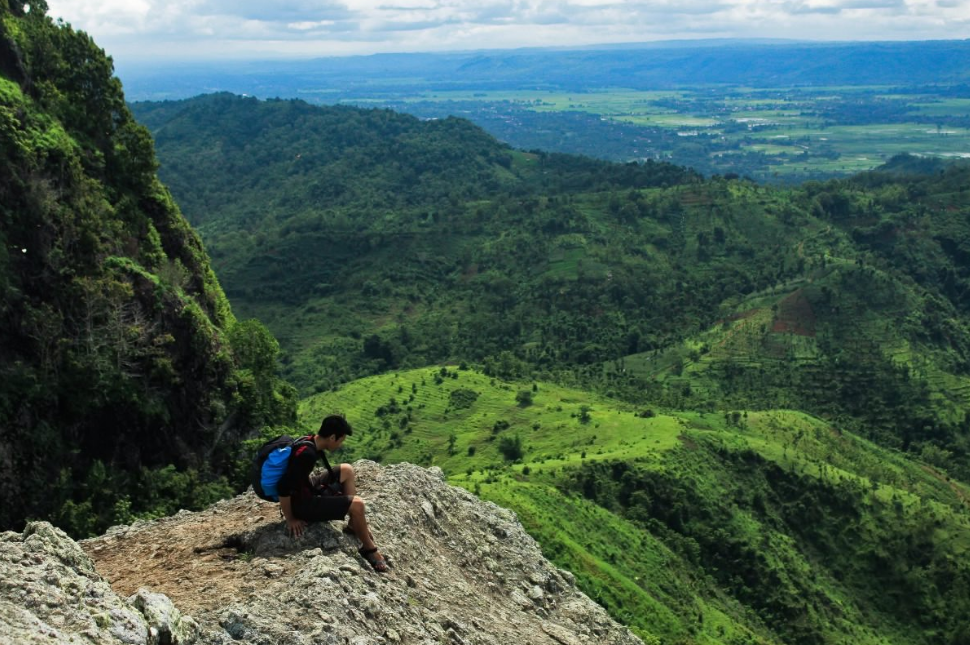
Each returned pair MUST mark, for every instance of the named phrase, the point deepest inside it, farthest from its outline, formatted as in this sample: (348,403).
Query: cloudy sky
(132,30)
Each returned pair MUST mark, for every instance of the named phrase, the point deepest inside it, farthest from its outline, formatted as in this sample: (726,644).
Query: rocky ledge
(463,571)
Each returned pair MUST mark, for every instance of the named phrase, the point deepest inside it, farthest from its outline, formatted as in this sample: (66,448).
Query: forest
(126,382)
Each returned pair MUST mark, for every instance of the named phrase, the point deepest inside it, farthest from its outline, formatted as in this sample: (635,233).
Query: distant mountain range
(637,66)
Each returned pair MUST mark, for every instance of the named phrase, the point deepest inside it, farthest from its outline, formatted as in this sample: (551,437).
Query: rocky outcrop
(50,592)
(463,571)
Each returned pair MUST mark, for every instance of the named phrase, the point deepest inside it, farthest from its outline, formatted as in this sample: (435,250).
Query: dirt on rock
(198,560)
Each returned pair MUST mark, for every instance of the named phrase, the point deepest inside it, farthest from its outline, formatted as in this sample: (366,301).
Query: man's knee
(346,473)
(357,506)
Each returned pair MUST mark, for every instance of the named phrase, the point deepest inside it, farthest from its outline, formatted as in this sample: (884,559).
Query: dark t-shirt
(295,482)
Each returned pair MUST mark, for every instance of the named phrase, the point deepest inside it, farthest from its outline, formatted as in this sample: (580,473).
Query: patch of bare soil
(198,560)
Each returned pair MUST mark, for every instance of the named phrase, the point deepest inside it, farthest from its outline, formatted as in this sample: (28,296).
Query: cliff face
(119,354)
(463,571)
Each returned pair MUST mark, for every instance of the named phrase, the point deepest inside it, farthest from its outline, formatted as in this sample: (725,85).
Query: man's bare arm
(293,525)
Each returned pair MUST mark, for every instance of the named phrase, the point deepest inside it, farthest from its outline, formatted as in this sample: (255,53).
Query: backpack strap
(334,479)
(321,454)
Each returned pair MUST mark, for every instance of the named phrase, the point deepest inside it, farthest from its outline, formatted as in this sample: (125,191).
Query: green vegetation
(692,527)
(596,304)
(638,280)
(125,380)
(736,413)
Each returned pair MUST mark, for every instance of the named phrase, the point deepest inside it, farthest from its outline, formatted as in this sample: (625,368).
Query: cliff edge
(463,571)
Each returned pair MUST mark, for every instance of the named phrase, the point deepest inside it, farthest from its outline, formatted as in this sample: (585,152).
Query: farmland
(778,135)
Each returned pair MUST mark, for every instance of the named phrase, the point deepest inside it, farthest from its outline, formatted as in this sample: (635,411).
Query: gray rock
(50,593)
(464,571)
(166,625)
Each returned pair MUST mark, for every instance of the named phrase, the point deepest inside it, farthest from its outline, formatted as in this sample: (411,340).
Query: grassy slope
(644,573)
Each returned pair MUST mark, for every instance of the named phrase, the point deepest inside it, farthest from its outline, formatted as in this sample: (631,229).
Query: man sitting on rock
(306,496)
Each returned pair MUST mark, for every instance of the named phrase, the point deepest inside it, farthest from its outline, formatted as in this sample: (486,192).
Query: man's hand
(295,527)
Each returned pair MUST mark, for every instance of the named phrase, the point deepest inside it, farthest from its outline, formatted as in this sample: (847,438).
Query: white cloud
(132,29)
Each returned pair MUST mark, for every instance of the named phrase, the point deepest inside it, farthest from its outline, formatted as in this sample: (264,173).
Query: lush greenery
(742,521)
(736,413)
(640,280)
(731,526)
(125,381)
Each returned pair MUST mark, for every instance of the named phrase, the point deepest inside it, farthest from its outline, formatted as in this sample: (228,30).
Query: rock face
(463,571)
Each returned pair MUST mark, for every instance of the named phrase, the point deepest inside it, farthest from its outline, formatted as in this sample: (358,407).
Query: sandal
(374,558)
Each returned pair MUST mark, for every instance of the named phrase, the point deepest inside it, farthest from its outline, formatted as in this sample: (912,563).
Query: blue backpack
(270,463)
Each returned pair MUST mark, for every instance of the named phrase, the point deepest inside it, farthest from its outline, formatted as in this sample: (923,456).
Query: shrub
(462,398)
(499,426)
(511,447)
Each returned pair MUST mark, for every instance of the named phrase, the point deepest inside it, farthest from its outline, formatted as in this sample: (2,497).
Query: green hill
(691,527)
(125,380)
(872,332)
(641,281)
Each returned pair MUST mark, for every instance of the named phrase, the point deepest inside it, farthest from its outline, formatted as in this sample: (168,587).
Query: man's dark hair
(335,425)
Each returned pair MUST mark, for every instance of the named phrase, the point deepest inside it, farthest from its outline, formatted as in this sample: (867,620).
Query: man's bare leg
(368,549)
(348,483)
(348,479)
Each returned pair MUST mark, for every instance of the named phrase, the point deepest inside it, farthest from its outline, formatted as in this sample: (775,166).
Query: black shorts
(324,503)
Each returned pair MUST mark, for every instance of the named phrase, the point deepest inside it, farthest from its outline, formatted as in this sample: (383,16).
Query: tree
(524,398)
(510,447)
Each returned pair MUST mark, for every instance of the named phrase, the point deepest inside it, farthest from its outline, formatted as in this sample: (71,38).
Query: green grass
(648,579)
(551,428)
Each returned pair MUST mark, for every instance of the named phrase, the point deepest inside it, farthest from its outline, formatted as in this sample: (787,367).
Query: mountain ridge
(817,63)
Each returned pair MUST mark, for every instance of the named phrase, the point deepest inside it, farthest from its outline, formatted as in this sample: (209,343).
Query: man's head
(333,430)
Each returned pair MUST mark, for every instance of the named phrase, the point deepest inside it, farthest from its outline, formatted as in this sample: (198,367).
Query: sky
(139,30)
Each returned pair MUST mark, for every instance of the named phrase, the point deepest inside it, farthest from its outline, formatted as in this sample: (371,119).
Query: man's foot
(374,558)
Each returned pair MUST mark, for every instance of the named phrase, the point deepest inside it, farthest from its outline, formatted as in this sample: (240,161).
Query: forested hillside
(125,380)
(639,280)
